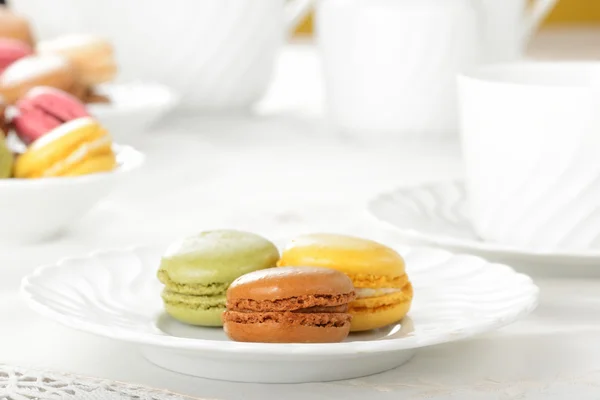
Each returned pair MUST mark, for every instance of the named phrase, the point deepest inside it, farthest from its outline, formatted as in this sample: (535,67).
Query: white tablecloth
(281,173)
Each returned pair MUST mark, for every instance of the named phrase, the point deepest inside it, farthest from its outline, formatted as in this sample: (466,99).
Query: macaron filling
(193,296)
(197,289)
(363,293)
(30,67)
(293,304)
(310,310)
(68,42)
(378,303)
(193,302)
(321,320)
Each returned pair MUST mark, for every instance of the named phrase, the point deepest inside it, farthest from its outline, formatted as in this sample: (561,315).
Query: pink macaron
(12,50)
(42,109)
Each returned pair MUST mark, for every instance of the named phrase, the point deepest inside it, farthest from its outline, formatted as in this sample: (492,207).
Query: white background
(281,173)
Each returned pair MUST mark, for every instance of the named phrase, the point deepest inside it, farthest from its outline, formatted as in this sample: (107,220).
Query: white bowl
(133,108)
(116,294)
(36,209)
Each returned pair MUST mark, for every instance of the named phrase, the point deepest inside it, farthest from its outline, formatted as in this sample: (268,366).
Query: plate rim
(490,248)
(271,349)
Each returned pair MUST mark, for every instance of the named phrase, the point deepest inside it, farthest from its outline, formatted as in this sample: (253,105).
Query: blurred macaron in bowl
(55,165)
(125,108)
(84,66)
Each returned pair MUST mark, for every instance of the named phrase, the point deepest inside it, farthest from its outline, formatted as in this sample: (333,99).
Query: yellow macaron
(78,147)
(384,292)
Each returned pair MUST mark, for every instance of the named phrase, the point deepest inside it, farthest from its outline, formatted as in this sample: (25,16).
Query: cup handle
(295,10)
(535,15)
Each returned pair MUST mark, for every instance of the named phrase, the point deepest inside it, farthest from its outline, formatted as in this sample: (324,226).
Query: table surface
(280,172)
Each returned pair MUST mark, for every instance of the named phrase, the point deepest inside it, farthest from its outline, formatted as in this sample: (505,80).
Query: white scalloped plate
(18,383)
(116,294)
(437,214)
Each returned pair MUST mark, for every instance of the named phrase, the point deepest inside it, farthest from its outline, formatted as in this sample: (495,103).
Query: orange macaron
(289,305)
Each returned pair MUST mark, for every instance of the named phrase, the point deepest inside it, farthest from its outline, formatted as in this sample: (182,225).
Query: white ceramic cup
(531,144)
(217,54)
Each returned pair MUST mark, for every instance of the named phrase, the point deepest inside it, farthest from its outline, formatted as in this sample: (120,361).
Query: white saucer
(133,107)
(116,294)
(17,383)
(437,214)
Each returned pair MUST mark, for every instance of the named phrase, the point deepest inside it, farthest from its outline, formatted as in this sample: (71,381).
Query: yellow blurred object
(575,11)
(305,28)
(567,11)
(6,158)
(78,147)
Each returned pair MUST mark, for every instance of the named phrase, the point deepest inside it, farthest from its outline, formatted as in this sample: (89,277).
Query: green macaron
(197,271)
(6,158)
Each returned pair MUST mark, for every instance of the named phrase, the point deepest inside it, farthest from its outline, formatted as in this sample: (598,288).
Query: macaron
(197,271)
(4,125)
(12,50)
(14,26)
(289,305)
(6,159)
(43,109)
(92,56)
(36,70)
(79,147)
(383,291)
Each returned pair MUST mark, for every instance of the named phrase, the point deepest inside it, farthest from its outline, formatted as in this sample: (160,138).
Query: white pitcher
(507,26)
(390,66)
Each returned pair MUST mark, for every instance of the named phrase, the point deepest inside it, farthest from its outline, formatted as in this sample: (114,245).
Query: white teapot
(218,55)
(507,26)
(390,66)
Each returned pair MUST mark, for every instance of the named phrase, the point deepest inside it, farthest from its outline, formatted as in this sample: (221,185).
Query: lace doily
(24,384)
